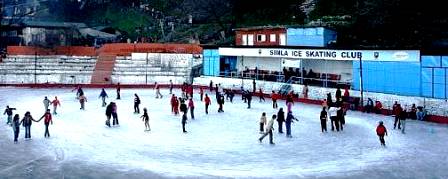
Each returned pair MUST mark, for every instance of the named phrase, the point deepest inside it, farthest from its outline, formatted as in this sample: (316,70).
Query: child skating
(381,131)
(55,103)
(262,122)
(48,120)
(269,129)
(8,112)
(145,118)
(103,96)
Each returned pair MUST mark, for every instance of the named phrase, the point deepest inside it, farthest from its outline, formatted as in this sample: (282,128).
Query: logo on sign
(400,55)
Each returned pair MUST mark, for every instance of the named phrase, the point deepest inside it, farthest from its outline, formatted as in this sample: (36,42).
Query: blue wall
(435,76)
(401,78)
(211,62)
(313,37)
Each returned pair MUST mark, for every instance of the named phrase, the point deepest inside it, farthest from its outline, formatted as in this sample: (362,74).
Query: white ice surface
(216,145)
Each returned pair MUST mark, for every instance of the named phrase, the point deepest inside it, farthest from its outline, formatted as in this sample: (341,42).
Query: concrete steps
(103,69)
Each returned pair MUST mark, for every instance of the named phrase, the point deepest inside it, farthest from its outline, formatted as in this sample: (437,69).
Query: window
(261,37)
(272,38)
(244,40)
(282,39)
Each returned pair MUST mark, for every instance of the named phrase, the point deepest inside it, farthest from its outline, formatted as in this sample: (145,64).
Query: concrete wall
(433,106)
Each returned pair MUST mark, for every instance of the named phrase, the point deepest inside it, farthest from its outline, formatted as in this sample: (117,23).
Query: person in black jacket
(280,120)
(184,121)
(323,120)
(183,107)
(108,113)
(8,112)
(338,94)
(118,91)
(26,122)
(221,103)
(16,127)
(340,118)
(103,96)
(136,104)
(249,98)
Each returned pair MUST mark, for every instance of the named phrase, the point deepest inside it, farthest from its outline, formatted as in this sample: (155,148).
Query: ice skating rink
(216,145)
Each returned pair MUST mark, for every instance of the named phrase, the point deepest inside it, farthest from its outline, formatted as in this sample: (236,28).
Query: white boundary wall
(433,106)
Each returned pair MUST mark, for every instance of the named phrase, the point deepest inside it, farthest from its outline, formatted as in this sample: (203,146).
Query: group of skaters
(27,121)
(333,111)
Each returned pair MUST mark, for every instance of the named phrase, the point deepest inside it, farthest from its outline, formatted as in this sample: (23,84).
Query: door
(282,39)
(250,39)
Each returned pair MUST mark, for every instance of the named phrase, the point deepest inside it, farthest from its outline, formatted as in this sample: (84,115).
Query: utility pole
(361,87)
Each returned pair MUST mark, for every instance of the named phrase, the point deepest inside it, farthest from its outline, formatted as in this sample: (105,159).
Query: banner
(325,54)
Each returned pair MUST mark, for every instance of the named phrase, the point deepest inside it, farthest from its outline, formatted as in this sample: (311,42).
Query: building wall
(266,32)
(401,78)
(435,76)
(312,37)
(433,106)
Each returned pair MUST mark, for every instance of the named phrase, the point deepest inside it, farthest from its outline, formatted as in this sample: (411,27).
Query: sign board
(325,54)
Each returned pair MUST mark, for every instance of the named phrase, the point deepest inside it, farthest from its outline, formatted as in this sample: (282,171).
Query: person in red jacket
(55,103)
(47,120)
(381,131)
(261,94)
(176,105)
(190,90)
(172,102)
(274,97)
(207,103)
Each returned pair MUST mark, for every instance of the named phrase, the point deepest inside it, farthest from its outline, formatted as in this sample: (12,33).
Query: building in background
(285,36)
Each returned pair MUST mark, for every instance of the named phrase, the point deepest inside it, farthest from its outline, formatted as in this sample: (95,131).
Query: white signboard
(325,54)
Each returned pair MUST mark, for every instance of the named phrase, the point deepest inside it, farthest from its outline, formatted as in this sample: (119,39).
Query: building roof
(278,27)
(30,23)
(96,33)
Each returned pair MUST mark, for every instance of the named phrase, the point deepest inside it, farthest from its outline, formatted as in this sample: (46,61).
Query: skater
(109,113)
(16,127)
(249,98)
(55,103)
(280,120)
(136,104)
(338,94)
(184,121)
(329,100)
(341,118)
(176,105)
(403,116)
(79,92)
(261,95)
(201,92)
(47,121)
(210,87)
(254,87)
(305,91)
(191,107)
(207,103)
(183,106)
(189,91)
(269,128)
(397,112)
(46,102)
(262,122)
(157,88)
(243,94)
(221,103)
(171,87)
(27,120)
(323,120)
(369,105)
(231,95)
(288,122)
(103,96)
(118,91)
(82,101)
(332,112)
(346,97)
(114,114)
(274,97)
(289,102)
(8,112)
(381,131)
(145,118)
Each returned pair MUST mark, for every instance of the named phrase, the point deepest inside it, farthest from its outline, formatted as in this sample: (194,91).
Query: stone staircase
(103,69)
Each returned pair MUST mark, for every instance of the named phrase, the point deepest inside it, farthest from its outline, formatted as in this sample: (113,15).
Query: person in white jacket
(262,122)
(269,128)
(332,112)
